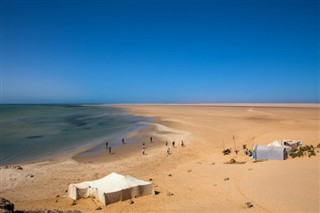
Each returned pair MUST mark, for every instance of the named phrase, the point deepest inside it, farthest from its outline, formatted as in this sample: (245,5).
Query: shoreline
(268,105)
(155,130)
(89,153)
(85,145)
(98,150)
(75,153)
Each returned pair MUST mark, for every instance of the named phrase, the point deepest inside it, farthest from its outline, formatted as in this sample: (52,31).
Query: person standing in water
(122,140)
(107,145)
(109,149)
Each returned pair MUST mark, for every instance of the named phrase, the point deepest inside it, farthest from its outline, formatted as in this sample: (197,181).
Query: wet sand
(197,170)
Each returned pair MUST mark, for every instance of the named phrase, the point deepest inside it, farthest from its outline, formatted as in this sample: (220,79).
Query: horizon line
(162,103)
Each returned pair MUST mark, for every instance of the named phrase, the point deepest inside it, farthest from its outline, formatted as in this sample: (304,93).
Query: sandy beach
(193,178)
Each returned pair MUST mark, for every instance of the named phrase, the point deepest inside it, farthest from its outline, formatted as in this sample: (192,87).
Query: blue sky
(159,51)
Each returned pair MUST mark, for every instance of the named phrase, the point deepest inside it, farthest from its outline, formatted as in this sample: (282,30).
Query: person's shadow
(110,152)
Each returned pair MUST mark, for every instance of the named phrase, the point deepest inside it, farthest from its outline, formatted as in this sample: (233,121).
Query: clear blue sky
(80,51)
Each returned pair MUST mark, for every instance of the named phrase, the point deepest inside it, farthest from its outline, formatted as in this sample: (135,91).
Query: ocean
(40,132)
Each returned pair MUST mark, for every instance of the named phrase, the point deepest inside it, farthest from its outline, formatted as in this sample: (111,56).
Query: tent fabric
(288,144)
(281,144)
(293,144)
(263,152)
(111,188)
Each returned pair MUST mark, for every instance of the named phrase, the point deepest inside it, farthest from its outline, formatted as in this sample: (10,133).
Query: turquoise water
(33,132)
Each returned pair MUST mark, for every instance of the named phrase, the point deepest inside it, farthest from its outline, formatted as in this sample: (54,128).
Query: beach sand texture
(192,178)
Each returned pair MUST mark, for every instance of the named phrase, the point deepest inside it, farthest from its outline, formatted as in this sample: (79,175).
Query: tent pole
(234,142)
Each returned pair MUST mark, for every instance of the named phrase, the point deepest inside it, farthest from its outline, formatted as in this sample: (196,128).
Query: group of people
(109,147)
(167,145)
(173,145)
(143,150)
(244,148)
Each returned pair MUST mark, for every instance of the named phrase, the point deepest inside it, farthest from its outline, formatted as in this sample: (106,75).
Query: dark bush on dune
(303,151)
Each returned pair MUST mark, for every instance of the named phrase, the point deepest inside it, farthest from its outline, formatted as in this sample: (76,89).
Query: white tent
(263,152)
(111,188)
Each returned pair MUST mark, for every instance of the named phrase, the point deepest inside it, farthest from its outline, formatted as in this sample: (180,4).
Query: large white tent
(263,152)
(111,188)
